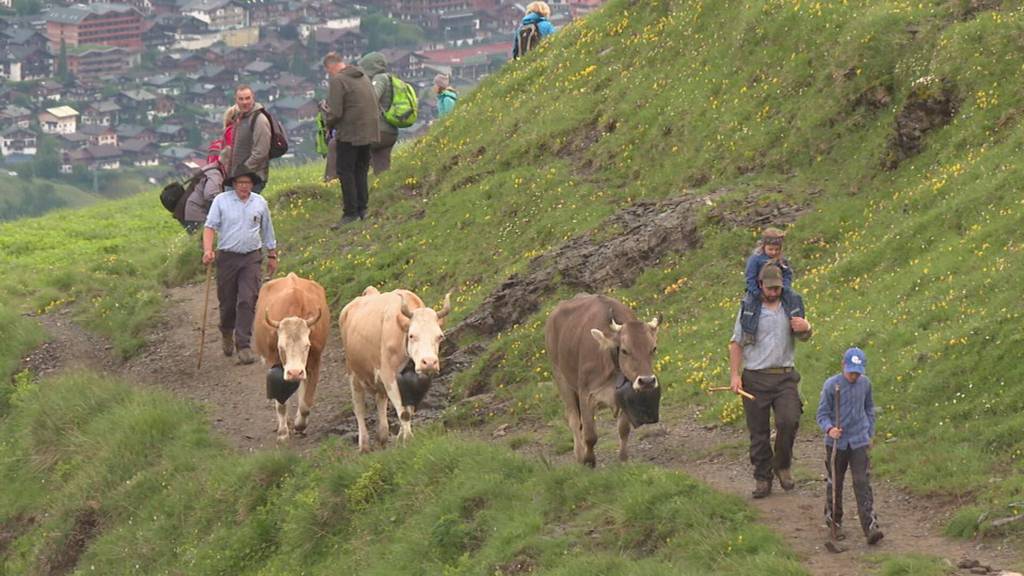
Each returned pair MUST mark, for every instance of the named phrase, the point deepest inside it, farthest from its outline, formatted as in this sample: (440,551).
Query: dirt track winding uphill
(234,397)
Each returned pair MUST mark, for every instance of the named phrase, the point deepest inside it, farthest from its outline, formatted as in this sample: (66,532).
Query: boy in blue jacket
(849,432)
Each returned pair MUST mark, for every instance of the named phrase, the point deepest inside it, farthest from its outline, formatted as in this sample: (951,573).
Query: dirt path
(912,525)
(234,397)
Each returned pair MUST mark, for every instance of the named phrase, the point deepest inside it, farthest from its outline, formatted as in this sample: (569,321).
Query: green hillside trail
(234,397)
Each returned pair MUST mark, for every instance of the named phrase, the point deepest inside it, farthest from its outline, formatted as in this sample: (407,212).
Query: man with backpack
(376,67)
(209,182)
(251,135)
(352,114)
(534,27)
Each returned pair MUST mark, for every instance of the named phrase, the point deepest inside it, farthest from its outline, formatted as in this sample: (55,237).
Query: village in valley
(141,86)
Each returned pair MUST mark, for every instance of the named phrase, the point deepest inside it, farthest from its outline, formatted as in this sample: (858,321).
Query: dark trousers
(776,392)
(353,170)
(238,284)
(380,153)
(856,459)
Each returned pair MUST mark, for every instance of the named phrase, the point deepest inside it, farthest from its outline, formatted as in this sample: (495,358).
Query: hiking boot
(762,488)
(245,356)
(839,534)
(227,343)
(345,221)
(874,535)
(785,480)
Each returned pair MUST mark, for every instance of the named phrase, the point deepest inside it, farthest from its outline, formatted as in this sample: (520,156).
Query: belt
(780,370)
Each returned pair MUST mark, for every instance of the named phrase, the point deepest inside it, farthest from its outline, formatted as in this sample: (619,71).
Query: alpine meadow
(637,153)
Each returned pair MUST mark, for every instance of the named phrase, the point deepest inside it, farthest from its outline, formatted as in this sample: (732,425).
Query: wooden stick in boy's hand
(741,391)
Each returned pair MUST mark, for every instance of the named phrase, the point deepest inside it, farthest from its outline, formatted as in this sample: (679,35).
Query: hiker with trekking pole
(846,414)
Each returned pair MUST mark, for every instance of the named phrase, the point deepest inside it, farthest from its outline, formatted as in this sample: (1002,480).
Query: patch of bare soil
(65,556)
(931,104)
(70,347)
(616,253)
(12,529)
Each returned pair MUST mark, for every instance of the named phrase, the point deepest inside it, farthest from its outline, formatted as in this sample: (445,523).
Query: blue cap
(854,360)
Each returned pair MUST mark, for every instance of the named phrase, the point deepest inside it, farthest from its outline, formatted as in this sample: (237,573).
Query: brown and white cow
(592,353)
(292,322)
(380,334)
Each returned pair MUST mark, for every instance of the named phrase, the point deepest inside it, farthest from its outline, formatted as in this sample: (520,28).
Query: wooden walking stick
(833,544)
(206,306)
(741,391)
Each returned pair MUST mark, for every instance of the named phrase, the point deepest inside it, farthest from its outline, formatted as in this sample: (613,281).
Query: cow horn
(405,310)
(266,315)
(447,306)
(615,325)
(309,322)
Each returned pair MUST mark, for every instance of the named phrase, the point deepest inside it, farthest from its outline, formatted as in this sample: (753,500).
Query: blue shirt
(857,411)
(242,227)
(757,261)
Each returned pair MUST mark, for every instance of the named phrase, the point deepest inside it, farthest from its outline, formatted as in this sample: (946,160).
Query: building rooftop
(63,111)
(17,130)
(78,12)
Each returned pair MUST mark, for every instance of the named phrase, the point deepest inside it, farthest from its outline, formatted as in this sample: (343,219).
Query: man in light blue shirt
(240,221)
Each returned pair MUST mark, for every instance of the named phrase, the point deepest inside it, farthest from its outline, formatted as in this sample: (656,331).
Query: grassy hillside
(20,197)
(907,247)
(908,251)
(26,197)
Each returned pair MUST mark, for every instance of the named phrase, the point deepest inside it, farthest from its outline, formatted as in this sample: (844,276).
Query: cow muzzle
(429,366)
(295,374)
(645,382)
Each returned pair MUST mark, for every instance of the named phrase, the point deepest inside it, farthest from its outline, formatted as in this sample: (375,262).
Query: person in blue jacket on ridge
(534,27)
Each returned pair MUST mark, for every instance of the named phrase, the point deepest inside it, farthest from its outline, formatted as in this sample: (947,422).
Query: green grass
(169,499)
(910,565)
(11,187)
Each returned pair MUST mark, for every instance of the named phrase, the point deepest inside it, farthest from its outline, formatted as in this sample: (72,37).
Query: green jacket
(352,107)
(376,67)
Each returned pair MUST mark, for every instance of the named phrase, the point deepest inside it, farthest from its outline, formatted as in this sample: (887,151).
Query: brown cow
(380,333)
(292,322)
(592,354)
